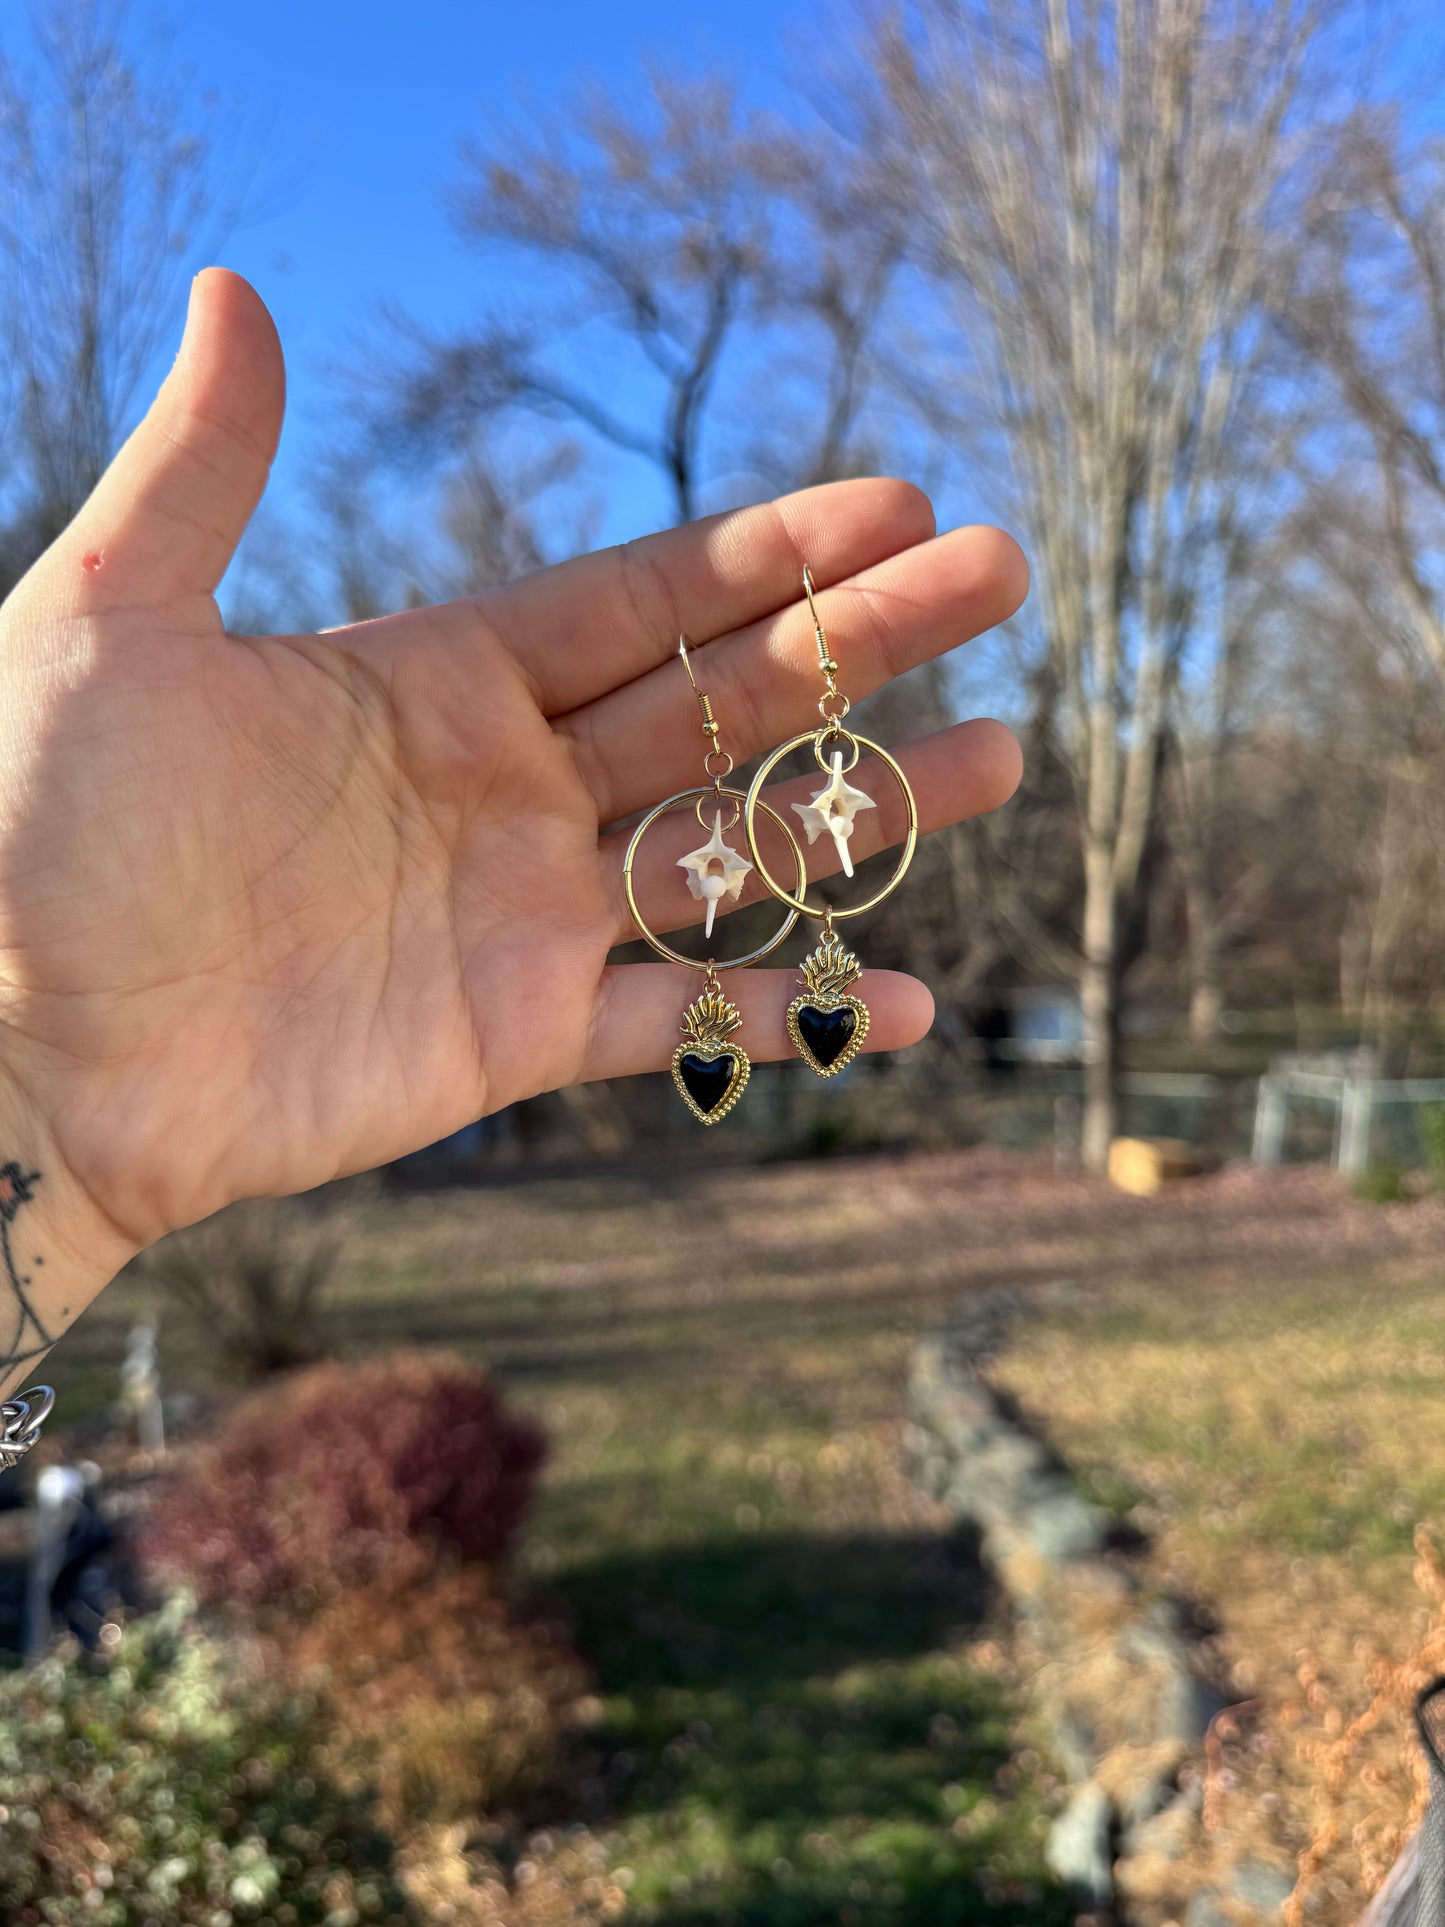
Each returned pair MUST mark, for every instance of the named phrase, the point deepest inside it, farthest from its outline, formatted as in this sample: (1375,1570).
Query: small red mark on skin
(92,560)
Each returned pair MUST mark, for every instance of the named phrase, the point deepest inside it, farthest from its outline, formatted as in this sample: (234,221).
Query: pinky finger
(638,1021)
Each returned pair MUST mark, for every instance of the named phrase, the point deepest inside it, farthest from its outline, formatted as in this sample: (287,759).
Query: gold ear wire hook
(683,646)
(709,725)
(709,722)
(825,654)
(833,705)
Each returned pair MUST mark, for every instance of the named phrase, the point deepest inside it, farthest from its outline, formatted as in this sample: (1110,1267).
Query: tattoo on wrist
(22,1330)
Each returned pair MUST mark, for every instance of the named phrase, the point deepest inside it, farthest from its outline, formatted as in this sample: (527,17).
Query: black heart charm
(826,1032)
(706,1079)
(828,1036)
(711,1082)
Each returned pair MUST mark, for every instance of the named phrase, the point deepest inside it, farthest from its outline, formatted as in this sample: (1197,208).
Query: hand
(278,908)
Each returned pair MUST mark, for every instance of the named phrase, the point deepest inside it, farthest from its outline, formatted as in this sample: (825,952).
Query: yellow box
(1145,1165)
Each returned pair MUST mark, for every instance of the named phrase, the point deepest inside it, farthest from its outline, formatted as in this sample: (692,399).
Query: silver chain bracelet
(21,1418)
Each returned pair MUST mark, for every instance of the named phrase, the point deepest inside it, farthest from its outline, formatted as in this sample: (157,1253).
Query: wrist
(58,1249)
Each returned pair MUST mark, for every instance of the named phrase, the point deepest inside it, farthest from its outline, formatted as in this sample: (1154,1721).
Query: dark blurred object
(350,1475)
(74,1580)
(66,1568)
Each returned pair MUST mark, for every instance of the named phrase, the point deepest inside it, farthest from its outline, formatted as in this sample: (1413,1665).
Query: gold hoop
(665,949)
(755,802)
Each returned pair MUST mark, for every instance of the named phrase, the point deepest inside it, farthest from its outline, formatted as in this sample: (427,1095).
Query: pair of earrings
(826,1022)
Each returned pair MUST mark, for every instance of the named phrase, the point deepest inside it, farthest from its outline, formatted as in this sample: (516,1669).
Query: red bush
(345,1476)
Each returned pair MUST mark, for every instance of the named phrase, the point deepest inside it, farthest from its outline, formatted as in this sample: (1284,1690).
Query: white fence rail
(1356,1101)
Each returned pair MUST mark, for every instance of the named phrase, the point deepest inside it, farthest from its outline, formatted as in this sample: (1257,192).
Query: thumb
(165,518)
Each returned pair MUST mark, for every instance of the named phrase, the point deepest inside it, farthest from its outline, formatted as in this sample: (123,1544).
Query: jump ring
(718,775)
(833,696)
(711,798)
(822,736)
(766,877)
(665,949)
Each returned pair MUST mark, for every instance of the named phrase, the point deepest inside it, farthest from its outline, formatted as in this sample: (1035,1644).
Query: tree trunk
(1098,999)
(1193,795)
(1206,1001)
(1354,956)
(1206,991)
(1393,913)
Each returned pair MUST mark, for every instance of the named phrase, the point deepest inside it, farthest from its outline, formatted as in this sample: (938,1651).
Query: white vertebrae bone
(833,810)
(709,884)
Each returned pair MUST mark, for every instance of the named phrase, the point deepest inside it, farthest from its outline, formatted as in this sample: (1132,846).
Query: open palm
(274,909)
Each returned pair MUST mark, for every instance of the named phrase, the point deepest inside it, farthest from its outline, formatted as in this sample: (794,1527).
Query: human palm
(274,909)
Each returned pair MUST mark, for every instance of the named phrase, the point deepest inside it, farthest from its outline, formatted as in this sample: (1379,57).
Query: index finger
(582,628)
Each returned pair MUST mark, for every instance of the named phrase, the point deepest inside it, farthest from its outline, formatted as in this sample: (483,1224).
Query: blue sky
(364,103)
(371,101)
(356,110)
(364,107)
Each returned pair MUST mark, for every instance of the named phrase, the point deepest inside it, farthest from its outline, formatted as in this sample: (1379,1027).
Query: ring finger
(958,773)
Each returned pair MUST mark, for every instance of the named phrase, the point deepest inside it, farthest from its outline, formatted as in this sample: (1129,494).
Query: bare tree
(1099,184)
(644,228)
(1371,706)
(841,244)
(1371,311)
(110,192)
(1225,850)
(683,257)
(1370,315)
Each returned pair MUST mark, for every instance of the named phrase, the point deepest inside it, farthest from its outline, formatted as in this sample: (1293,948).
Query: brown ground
(1252,1371)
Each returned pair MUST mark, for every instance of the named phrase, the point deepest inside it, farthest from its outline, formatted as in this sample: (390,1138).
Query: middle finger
(639,743)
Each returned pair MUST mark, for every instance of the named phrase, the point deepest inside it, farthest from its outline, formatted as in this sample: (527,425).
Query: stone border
(1114,1672)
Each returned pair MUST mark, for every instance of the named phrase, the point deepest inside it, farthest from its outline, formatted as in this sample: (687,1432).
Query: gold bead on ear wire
(709,1068)
(826,1022)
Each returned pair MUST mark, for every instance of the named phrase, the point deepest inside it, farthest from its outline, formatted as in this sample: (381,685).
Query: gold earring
(709,1068)
(826,1022)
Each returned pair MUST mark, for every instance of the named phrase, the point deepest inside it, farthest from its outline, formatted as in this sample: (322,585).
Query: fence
(1364,1119)
(1336,1113)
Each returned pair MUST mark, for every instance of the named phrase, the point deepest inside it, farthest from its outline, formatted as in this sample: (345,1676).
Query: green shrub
(1432,1136)
(160,1791)
(1383,1183)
